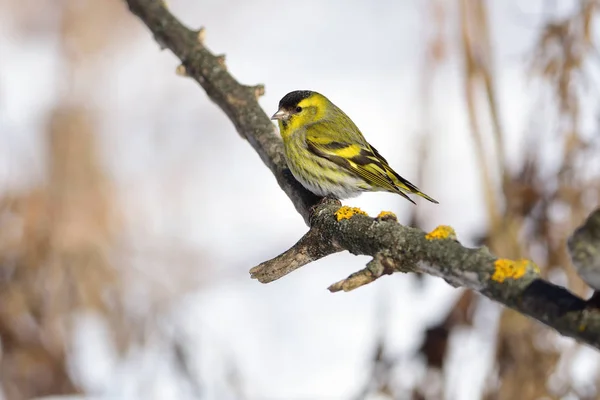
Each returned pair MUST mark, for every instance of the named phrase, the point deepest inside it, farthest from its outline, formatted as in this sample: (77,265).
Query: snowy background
(199,209)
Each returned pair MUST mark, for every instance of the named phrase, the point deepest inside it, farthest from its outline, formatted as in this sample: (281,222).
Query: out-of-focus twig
(478,74)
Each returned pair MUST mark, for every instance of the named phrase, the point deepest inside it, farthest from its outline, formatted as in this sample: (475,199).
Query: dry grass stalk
(55,262)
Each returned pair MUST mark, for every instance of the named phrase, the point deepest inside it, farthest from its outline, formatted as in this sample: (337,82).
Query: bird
(326,152)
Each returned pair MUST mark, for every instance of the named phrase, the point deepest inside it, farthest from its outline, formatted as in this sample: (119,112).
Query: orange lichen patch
(441,232)
(511,269)
(387,216)
(346,212)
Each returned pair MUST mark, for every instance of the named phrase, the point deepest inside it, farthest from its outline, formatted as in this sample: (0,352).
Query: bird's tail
(401,185)
(423,195)
(404,186)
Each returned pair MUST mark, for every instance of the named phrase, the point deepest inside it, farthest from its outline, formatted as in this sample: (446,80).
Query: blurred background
(131,211)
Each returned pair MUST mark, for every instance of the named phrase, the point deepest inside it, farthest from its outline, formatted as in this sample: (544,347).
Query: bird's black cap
(292,99)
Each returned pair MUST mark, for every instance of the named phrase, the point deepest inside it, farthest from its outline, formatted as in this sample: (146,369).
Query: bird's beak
(280,114)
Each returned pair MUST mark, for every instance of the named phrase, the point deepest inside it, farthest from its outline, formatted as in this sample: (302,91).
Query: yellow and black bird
(327,153)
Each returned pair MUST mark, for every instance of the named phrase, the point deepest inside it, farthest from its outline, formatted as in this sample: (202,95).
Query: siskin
(327,153)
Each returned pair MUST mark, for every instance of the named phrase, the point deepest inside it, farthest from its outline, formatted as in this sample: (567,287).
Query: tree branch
(584,249)
(238,101)
(394,248)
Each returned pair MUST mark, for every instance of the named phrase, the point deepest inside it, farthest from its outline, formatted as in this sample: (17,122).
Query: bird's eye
(298,109)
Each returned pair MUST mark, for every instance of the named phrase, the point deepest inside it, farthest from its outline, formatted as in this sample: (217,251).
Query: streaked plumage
(327,153)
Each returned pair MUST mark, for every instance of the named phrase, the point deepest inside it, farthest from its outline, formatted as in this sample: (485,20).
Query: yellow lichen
(346,212)
(441,232)
(387,215)
(505,269)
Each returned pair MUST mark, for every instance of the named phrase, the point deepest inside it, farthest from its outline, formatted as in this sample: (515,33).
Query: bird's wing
(362,160)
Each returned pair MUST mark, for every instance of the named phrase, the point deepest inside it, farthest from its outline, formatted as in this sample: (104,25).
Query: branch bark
(394,248)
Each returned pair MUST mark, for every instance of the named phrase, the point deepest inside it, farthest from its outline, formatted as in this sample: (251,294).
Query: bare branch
(394,248)
(238,101)
(315,244)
